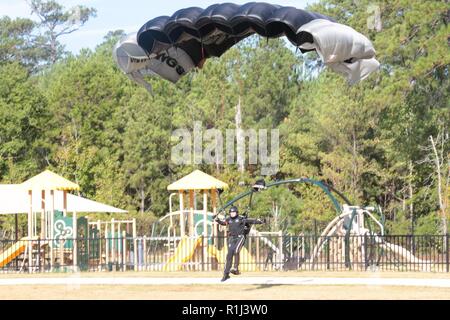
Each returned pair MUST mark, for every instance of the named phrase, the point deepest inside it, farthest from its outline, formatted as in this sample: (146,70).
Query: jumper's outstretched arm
(255,221)
(221,222)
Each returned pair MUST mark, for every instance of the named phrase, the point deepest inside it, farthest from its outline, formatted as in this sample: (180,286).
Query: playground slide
(183,253)
(13,252)
(247,262)
(407,255)
(270,245)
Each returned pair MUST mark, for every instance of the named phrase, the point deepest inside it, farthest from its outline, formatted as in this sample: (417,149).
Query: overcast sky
(128,15)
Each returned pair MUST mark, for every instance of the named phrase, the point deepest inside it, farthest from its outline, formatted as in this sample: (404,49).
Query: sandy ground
(220,292)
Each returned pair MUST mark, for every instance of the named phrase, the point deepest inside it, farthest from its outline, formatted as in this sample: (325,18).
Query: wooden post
(65,203)
(215,232)
(43,220)
(257,250)
(182,226)
(205,227)
(106,246)
(124,250)
(119,244)
(100,249)
(30,232)
(16,225)
(144,246)
(191,213)
(35,222)
(113,242)
(16,236)
(135,245)
(52,217)
(75,243)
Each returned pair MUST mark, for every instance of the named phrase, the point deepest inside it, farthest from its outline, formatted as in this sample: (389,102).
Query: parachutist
(238,229)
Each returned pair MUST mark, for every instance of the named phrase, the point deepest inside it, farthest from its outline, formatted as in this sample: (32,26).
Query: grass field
(220,292)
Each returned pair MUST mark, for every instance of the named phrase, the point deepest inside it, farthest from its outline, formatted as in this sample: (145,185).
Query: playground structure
(352,237)
(56,241)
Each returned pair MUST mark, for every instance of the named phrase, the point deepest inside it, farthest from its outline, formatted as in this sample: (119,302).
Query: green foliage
(23,118)
(16,44)
(428,224)
(56,21)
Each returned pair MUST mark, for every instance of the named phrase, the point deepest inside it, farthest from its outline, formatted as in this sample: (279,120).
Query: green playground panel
(82,245)
(198,224)
(63,227)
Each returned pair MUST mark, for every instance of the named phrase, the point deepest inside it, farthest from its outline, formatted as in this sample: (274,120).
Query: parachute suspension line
(173,44)
(147,53)
(170,140)
(249,205)
(203,50)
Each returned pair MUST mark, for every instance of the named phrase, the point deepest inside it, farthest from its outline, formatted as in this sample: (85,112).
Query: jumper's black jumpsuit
(236,238)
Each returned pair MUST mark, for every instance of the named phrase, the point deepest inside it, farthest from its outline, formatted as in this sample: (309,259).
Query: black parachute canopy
(171,46)
(210,32)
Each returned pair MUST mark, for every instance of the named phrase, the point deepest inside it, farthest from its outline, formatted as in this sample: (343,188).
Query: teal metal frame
(325,187)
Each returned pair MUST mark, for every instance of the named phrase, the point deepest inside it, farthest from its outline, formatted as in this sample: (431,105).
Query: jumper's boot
(236,272)
(226,276)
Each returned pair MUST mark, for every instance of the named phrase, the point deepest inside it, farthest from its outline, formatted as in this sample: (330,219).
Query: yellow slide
(246,260)
(183,254)
(13,252)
